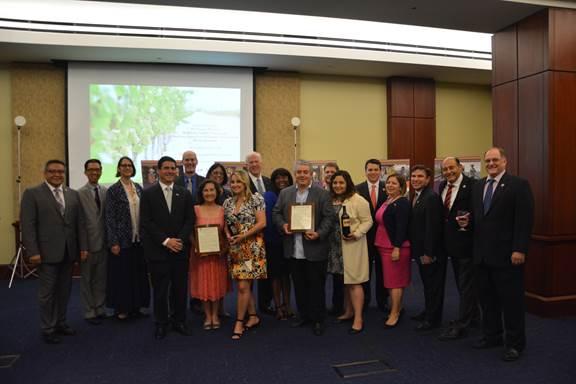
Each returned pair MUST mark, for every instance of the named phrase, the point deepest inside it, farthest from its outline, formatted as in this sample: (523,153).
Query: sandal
(207,326)
(215,325)
(253,325)
(236,335)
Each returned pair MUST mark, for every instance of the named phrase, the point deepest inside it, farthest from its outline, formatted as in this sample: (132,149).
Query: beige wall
(343,119)
(463,119)
(7,186)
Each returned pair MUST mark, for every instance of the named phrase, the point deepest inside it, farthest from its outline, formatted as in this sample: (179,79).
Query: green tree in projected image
(128,119)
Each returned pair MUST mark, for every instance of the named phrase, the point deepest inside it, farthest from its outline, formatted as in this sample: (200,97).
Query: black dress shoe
(65,330)
(267,310)
(160,332)
(93,320)
(484,343)
(344,320)
(418,317)
(182,329)
(452,333)
(354,331)
(298,322)
(511,354)
(50,338)
(425,326)
(318,329)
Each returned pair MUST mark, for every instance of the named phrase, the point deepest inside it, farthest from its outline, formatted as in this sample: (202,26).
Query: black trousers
(337,293)
(170,289)
(468,309)
(433,278)
(309,278)
(264,294)
(375,274)
(501,294)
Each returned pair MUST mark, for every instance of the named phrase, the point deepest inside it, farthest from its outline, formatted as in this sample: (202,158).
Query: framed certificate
(208,240)
(301,218)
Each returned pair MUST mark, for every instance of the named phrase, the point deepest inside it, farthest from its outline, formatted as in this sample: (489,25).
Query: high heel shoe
(390,326)
(255,325)
(236,335)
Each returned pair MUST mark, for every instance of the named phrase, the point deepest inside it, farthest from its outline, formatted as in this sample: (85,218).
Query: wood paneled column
(534,109)
(412,120)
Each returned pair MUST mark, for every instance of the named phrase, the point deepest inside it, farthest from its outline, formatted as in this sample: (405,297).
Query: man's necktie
(373,195)
(59,200)
(488,195)
(448,200)
(97,198)
(168,196)
(189,185)
(260,186)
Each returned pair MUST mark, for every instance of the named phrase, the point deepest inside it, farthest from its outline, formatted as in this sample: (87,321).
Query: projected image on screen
(147,122)
(149,111)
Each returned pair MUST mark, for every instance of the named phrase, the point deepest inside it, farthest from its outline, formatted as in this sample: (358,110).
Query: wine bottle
(345,222)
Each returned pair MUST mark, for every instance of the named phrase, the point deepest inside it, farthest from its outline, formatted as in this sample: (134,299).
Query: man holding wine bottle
(307,249)
(456,194)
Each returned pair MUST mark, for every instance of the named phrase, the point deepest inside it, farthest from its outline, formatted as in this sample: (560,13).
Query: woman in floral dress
(245,217)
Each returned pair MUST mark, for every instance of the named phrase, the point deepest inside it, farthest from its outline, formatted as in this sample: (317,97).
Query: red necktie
(448,199)
(373,195)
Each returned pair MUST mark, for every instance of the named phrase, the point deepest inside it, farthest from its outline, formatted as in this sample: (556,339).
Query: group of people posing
(128,238)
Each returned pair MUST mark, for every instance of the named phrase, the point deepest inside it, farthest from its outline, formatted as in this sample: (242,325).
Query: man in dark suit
(425,243)
(374,191)
(456,193)
(307,251)
(94,272)
(502,219)
(54,235)
(190,179)
(167,217)
(260,184)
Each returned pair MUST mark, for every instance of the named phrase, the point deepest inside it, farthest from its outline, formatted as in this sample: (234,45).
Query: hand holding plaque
(301,218)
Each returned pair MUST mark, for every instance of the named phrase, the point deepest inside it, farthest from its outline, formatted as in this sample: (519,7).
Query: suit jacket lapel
(160,195)
(52,199)
(498,190)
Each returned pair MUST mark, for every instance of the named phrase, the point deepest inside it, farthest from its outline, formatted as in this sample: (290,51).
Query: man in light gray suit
(93,284)
(307,251)
(54,235)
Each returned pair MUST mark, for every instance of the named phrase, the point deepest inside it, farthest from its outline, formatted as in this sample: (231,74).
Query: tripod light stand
(18,265)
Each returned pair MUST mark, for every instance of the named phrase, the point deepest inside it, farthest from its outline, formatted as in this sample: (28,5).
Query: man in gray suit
(307,251)
(93,283)
(54,235)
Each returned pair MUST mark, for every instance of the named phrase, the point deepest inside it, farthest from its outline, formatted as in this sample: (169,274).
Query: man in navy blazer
(425,244)
(54,235)
(308,251)
(190,179)
(167,218)
(456,193)
(374,191)
(502,219)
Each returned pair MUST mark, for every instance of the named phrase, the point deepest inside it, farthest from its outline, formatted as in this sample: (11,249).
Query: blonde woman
(245,217)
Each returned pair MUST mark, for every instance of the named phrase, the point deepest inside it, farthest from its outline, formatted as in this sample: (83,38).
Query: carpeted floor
(117,352)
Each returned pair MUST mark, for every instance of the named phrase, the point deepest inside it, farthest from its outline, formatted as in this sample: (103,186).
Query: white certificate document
(301,217)
(208,240)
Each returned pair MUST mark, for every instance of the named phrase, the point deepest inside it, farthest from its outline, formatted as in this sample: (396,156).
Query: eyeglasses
(55,171)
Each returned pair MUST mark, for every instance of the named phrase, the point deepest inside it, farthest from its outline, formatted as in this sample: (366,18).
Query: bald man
(190,179)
